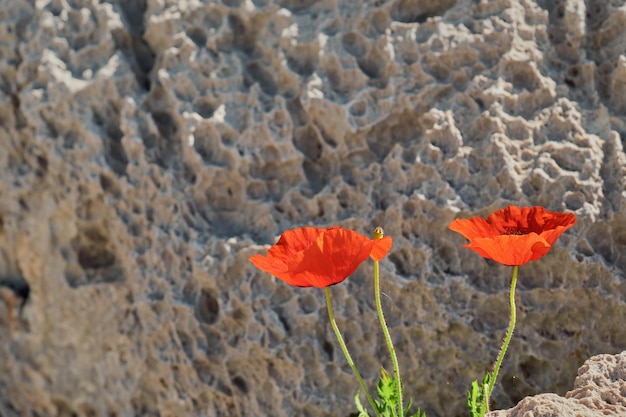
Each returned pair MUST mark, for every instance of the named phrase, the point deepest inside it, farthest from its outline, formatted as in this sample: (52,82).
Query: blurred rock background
(149,147)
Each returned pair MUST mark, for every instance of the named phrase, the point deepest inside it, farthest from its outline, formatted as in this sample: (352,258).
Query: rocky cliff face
(149,147)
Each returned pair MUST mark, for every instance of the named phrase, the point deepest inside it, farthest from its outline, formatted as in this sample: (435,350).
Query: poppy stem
(507,339)
(392,351)
(344,349)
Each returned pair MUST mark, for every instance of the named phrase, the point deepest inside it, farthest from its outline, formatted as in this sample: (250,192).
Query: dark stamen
(515,231)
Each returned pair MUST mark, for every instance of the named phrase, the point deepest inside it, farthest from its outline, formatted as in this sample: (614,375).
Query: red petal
(529,219)
(314,257)
(473,228)
(507,219)
(277,268)
(514,235)
(279,256)
(381,248)
(556,226)
(511,249)
(334,256)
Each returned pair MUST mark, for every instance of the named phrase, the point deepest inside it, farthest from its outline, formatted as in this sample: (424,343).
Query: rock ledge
(599,390)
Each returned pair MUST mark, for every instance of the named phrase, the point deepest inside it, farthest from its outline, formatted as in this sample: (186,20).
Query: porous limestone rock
(148,148)
(598,391)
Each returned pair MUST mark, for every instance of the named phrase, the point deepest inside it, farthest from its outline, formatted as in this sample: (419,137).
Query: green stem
(507,339)
(392,351)
(344,349)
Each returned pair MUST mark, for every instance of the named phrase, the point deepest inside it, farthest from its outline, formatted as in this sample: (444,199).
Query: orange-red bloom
(514,235)
(318,257)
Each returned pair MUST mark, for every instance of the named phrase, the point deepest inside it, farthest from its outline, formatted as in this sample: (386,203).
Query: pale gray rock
(148,148)
(598,391)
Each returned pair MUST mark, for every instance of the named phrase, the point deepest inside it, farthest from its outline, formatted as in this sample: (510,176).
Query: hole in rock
(208,307)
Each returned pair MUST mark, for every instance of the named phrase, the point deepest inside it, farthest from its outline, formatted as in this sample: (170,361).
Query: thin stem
(392,351)
(507,339)
(344,349)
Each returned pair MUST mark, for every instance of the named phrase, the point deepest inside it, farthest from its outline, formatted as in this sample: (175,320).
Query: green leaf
(408,407)
(477,397)
(473,400)
(419,413)
(357,401)
(386,390)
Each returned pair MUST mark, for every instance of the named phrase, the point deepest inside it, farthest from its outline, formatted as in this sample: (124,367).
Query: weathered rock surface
(149,147)
(599,390)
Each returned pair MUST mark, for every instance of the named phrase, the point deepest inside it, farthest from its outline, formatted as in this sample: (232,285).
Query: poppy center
(515,231)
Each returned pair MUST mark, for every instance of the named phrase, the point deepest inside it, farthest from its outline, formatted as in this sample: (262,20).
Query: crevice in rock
(131,42)
(93,257)
(410,11)
(208,307)
(108,118)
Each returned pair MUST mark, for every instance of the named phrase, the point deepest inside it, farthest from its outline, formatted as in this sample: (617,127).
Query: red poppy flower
(318,257)
(514,235)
